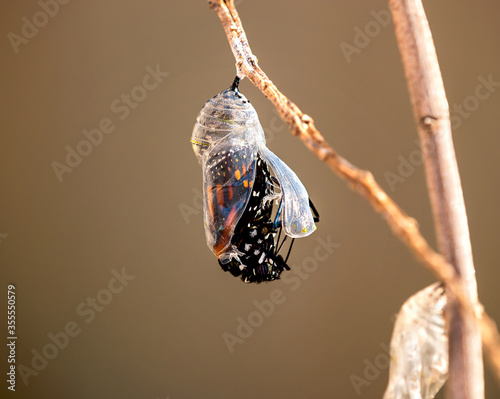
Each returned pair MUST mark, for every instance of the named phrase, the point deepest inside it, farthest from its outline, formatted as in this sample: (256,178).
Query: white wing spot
(262,257)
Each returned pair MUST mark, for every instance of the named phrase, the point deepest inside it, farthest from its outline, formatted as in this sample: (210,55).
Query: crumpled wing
(298,220)
(228,175)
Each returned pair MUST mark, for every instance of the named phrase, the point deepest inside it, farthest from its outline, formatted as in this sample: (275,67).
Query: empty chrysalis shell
(419,347)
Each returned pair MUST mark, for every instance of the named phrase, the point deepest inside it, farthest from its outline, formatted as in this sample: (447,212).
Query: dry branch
(361,181)
(432,116)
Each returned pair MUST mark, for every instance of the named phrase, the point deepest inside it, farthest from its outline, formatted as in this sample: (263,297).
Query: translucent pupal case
(419,347)
(226,139)
(298,220)
(225,144)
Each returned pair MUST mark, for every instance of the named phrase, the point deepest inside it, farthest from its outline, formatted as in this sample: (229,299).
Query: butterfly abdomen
(255,235)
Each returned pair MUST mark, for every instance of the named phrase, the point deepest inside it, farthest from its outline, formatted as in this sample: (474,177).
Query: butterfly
(250,195)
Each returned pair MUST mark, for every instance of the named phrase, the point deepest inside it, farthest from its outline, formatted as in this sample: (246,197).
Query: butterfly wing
(228,175)
(298,220)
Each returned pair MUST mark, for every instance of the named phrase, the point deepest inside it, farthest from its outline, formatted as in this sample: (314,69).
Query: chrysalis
(242,182)
(419,347)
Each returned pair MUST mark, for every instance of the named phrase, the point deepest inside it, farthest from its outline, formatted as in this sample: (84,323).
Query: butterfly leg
(315,212)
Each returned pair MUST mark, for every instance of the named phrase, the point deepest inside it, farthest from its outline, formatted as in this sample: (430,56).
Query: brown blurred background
(133,202)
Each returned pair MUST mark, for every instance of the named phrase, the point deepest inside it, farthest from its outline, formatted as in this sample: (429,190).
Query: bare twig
(430,108)
(361,181)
